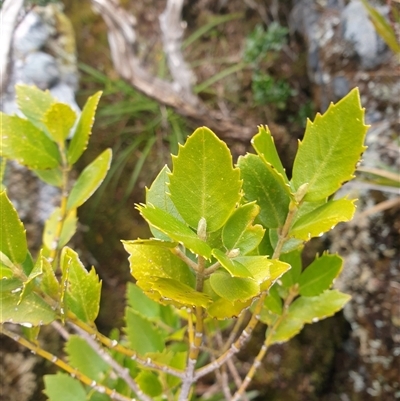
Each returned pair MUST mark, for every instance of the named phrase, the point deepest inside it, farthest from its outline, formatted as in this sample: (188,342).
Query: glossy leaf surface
(264,145)
(331,148)
(21,141)
(12,232)
(68,229)
(264,185)
(59,120)
(203,183)
(89,180)
(319,275)
(34,103)
(323,219)
(158,196)
(151,261)
(82,287)
(234,288)
(175,229)
(83,130)
(239,231)
(32,311)
(170,291)
(309,310)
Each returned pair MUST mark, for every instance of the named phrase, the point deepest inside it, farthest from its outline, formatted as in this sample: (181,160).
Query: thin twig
(36,349)
(120,370)
(114,344)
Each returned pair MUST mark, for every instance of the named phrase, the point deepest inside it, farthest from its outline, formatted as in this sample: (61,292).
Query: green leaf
(169,291)
(89,180)
(158,196)
(29,284)
(233,267)
(308,310)
(83,358)
(59,120)
(152,261)
(68,229)
(264,145)
(263,184)
(5,272)
(292,276)
(258,266)
(142,334)
(51,177)
(12,232)
(323,219)
(234,288)
(239,231)
(83,130)
(142,304)
(20,140)
(331,148)
(203,183)
(276,269)
(175,229)
(32,311)
(222,309)
(49,283)
(62,387)
(82,295)
(319,275)
(273,301)
(33,103)
(149,383)
(290,245)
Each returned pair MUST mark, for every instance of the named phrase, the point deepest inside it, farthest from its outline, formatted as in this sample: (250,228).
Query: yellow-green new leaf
(323,219)
(12,232)
(169,291)
(59,120)
(21,141)
(29,284)
(153,261)
(222,309)
(34,103)
(331,148)
(175,229)
(83,130)
(68,229)
(264,145)
(89,180)
(234,288)
(239,231)
(158,196)
(203,183)
(82,295)
(48,283)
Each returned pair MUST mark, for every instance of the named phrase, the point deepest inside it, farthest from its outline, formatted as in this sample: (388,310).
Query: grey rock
(31,34)
(41,70)
(359,30)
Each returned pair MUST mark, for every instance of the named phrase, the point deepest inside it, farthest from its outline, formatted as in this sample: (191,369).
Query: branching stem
(36,349)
